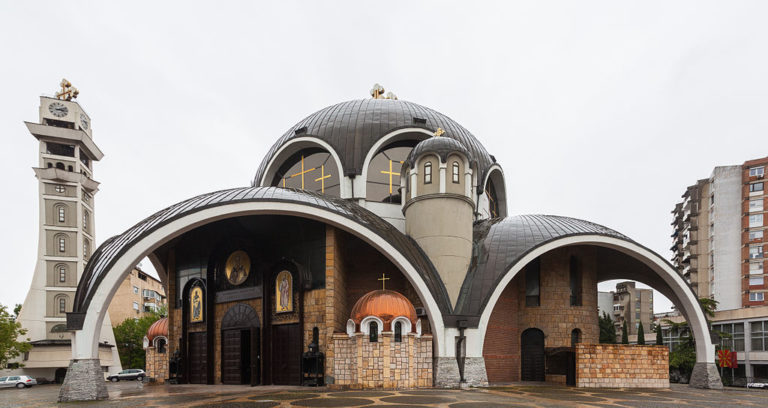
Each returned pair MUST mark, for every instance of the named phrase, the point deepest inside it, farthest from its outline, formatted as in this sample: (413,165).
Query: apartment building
(139,294)
(634,306)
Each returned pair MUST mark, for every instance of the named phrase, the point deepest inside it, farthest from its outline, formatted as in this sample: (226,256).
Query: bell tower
(66,197)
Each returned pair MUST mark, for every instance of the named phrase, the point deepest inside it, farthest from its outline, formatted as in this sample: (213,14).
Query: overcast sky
(598,110)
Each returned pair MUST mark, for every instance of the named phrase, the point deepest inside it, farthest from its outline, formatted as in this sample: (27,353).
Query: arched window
(60,165)
(373,332)
(86,249)
(69,168)
(62,273)
(493,199)
(62,213)
(85,220)
(398,332)
(50,165)
(455,172)
(428,172)
(310,169)
(383,179)
(62,304)
(62,243)
(575,272)
(575,337)
(160,345)
(532,283)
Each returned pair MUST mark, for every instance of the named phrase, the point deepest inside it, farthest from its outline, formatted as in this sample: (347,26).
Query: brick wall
(622,366)
(501,348)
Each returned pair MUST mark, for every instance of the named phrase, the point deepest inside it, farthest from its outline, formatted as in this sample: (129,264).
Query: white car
(18,381)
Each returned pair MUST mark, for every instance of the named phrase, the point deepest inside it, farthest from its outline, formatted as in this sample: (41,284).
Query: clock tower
(67,192)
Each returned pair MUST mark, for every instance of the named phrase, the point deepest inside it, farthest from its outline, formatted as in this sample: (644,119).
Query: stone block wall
(314,316)
(157,364)
(360,364)
(622,366)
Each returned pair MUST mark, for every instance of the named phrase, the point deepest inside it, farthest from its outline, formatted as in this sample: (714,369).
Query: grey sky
(598,110)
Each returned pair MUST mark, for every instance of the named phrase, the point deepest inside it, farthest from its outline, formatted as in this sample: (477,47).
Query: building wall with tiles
(361,364)
(622,366)
(157,365)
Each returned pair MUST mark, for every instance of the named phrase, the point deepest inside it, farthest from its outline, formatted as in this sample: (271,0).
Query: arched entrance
(240,342)
(532,355)
(59,375)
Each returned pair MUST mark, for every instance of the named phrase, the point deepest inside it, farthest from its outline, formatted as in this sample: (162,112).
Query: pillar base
(705,375)
(447,372)
(84,382)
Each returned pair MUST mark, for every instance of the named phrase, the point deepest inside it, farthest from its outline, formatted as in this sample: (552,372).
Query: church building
(375,232)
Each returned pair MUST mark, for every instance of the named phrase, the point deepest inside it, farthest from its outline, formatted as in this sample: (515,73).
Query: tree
(682,357)
(10,331)
(641,335)
(624,334)
(607,330)
(16,311)
(129,336)
(659,338)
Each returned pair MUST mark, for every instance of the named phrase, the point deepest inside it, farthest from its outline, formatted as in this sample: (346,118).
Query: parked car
(18,381)
(129,374)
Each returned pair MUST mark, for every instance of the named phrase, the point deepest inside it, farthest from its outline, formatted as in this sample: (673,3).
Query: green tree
(659,338)
(129,336)
(683,356)
(607,330)
(10,331)
(641,335)
(624,334)
(16,310)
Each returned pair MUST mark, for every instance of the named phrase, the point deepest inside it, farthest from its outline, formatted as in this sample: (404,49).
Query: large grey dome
(352,128)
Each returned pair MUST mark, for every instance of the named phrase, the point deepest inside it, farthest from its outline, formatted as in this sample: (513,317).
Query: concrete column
(447,372)
(705,375)
(84,382)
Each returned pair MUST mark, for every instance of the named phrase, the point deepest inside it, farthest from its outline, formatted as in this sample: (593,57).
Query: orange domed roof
(384,304)
(158,328)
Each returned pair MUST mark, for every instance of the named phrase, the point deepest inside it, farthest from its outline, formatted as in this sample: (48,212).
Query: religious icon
(196,303)
(238,267)
(284,292)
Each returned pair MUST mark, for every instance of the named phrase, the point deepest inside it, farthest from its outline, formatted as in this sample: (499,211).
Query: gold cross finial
(383,280)
(68,92)
(439,132)
(377,92)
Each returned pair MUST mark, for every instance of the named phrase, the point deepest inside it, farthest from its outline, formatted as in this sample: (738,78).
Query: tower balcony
(52,173)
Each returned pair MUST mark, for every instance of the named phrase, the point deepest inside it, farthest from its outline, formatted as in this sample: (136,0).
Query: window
(59,188)
(160,346)
(311,169)
(62,273)
(135,290)
(62,305)
(756,220)
(756,281)
(136,306)
(575,337)
(755,235)
(755,205)
(398,332)
(61,213)
(755,187)
(62,244)
(756,268)
(428,172)
(456,172)
(85,221)
(760,336)
(756,297)
(373,332)
(757,171)
(532,289)
(384,178)
(731,335)
(575,273)
(755,252)
(85,249)
(86,197)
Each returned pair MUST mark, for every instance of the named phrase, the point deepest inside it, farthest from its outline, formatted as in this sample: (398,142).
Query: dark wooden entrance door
(236,356)
(286,354)
(532,355)
(198,358)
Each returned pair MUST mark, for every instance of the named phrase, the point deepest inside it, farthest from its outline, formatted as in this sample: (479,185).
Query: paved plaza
(131,394)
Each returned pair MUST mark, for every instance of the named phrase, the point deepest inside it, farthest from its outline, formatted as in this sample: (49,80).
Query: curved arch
(678,288)
(496,174)
(59,270)
(57,304)
(361,188)
(296,145)
(96,290)
(240,316)
(366,322)
(407,326)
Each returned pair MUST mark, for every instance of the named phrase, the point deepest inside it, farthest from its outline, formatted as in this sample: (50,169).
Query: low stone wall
(622,366)
(360,364)
(157,365)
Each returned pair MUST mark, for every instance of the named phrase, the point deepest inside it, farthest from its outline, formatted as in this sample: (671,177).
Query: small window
(756,252)
(755,205)
(86,249)
(61,214)
(575,337)
(575,273)
(532,287)
(756,281)
(757,171)
(62,305)
(428,173)
(85,221)
(756,297)
(398,332)
(136,306)
(62,274)
(60,165)
(135,290)
(373,332)
(161,346)
(755,235)
(756,220)
(755,187)
(59,188)
(455,172)
(62,244)
(69,168)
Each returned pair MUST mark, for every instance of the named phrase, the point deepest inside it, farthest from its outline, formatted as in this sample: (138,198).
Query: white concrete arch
(705,350)
(361,186)
(293,146)
(85,341)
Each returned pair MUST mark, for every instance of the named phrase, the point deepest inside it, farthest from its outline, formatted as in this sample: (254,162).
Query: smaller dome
(158,328)
(442,146)
(384,304)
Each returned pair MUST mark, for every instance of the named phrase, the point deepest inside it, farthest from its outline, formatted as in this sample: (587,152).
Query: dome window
(383,179)
(428,172)
(398,332)
(309,169)
(373,332)
(455,172)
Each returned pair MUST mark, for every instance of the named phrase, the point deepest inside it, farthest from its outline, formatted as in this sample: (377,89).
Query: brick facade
(622,366)
(157,365)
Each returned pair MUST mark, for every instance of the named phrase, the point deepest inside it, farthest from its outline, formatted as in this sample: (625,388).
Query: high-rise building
(66,235)
(634,306)
(138,295)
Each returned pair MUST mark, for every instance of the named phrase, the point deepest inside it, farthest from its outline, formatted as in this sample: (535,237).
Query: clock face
(83,122)
(57,109)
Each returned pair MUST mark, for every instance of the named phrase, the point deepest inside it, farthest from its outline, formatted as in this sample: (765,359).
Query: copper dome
(384,304)
(158,328)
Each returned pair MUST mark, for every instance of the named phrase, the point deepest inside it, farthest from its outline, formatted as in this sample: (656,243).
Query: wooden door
(231,352)
(198,358)
(532,355)
(286,354)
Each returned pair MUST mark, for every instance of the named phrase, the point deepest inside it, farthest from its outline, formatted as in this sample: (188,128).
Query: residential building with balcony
(140,293)
(634,306)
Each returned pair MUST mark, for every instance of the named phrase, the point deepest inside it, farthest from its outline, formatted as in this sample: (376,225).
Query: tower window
(85,221)
(85,249)
(69,168)
(62,274)
(373,332)
(532,284)
(59,188)
(62,305)
(62,244)
(428,173)
(61,214)
(456,172)
(398,332)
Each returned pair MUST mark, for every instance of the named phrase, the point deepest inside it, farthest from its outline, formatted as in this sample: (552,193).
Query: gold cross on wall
(391,173)
(302,172)
(383,280)
(322,178)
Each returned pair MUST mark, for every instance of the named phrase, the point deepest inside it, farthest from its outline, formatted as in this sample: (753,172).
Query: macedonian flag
(727,359)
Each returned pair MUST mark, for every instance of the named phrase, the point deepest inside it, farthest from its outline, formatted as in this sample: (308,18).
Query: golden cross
(383,280)
(68,92)
(302,172)
(322,178)
(391,173)
(439,132)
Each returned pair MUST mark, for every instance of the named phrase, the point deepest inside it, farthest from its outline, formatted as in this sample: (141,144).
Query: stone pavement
(131,394)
